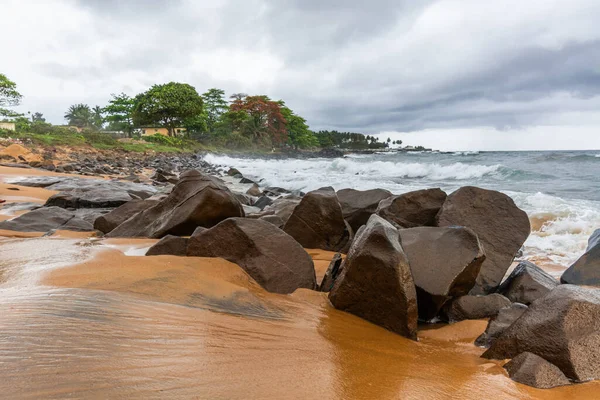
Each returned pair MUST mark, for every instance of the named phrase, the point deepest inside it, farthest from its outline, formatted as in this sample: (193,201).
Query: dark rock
(199,230)
(562,327)
(375,283)
(444,264)
(254,191)
(498,324)
(332,273)
(475,307)
(46,219)
(263,202)
(233,172)
(526,283)
(197,200)
(586,270)
(107,222)
(169,245)
(269,255)
(358,206)
(275,191)
(283,208)
(412,209)
(330,153)
(500,225)
(317,222)
(246,180)
(78,198)
(532,370)
(593,240)
(243,198)
(273,219)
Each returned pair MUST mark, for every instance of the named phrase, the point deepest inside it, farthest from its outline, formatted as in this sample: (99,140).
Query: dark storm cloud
(346,64)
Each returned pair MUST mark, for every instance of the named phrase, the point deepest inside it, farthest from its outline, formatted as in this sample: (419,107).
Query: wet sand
(89,318)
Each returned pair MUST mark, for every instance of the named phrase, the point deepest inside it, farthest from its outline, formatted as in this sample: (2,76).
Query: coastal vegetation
(193,121)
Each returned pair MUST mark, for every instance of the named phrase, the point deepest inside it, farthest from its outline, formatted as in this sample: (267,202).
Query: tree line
(240,121)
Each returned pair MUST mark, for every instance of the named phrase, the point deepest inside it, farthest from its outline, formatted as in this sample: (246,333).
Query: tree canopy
(168,105)
(79,115)
(9,96)
(119,113)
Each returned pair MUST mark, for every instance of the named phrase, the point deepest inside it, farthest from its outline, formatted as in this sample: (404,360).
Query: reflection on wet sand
(117,326)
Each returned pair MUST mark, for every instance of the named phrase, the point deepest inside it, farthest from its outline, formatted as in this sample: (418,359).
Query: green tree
(79,115)
(37,117)
(9,96)
(119,113)
(215,106)
(169,105)
(298,133)
(97,117)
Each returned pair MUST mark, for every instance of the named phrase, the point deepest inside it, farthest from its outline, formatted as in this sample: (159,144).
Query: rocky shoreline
(404,260)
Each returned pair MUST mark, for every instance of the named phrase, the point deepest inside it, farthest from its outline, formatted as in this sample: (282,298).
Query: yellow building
(151,130)
(9,126)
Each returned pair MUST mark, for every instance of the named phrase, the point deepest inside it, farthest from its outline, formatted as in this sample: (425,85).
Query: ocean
(559,190)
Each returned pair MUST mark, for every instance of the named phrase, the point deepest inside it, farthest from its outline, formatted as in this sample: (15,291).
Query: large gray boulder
(169,246)
(444,262)
(532,370)
(359,205)
(269,255)
(562,327)
(46,219)
(107,222)
(196,200)
(498,324)
(317,221)
(376,283)
(95,198)
(500,225)
(526,283)
(475,307)
(586,270)
(412,209)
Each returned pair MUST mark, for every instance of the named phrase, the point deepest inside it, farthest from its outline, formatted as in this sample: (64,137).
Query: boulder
(376,283)
(79,198)
(275,191)
(107,222)
(317,222)
(359,205)
(412,209)
(526,283)
(500,225)
(593,240)
(196,200)
(444,264)
(333,271)
(269,255)
(46,219)
(283,208)
(273,219)
(498,324)
(263,202)
(169,245)
(254,191)
(532,370)
(562,327)
(475,307)
(586,270)
(233,172)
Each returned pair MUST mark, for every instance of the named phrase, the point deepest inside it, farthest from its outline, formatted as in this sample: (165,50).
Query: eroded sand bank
(80,317)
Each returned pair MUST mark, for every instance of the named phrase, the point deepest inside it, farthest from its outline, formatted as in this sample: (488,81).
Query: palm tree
(97,117)
(79,115)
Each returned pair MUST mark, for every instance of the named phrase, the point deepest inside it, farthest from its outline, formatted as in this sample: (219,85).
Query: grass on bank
(104,141)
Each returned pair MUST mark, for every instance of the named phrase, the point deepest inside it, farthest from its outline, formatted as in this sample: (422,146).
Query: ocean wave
(329,171)
(465,153)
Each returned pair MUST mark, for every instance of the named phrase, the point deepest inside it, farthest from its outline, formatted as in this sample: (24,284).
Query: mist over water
(559,190)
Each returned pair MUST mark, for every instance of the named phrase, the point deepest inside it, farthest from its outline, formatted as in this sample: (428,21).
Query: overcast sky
(452,74)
